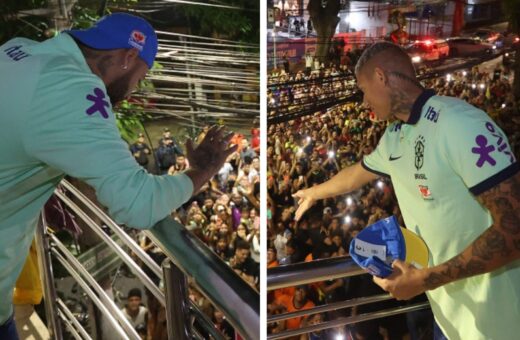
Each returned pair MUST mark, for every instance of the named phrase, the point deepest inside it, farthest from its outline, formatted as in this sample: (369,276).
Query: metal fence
(187,256)
(322,270)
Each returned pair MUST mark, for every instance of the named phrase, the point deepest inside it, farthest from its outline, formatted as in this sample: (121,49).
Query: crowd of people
(310,150)
(224,214)
(294,88)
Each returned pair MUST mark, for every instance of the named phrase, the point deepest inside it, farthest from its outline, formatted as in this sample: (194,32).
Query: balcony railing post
(177,303)
(49,290)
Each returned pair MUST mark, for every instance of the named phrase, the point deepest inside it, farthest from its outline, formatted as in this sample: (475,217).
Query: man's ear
(130,57)
(380,76)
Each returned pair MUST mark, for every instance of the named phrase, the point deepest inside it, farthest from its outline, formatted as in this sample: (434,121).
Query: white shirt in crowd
(140,318)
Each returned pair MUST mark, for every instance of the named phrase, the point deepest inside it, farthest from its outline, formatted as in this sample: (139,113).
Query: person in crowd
(134,311)
(271,258)
(246,151)
(167,154)
(181,164)
(223,325)
(243,264)
(141,151)
(313,320)
(292,303)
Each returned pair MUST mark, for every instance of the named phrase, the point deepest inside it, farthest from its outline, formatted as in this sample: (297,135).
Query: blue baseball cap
(120,30)
(378,245)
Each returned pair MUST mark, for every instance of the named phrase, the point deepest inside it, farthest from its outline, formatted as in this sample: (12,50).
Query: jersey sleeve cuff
(366,167)
(185,186)
(495,179)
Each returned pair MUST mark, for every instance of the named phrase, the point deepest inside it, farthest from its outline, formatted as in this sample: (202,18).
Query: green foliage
(83,16)
(241,25)
(86,12)
(130,122)
(131,115)
(13,24)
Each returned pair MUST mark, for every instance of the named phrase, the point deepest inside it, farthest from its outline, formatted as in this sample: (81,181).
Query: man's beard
(119,89)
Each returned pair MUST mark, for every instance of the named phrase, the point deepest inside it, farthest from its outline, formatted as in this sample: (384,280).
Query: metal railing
(323,270)
(187,256)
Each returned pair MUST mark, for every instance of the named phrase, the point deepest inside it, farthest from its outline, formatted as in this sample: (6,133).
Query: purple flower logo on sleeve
(483,150)
(99,104)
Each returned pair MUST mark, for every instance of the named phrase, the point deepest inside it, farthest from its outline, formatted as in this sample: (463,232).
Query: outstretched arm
(499,245)
(347,180)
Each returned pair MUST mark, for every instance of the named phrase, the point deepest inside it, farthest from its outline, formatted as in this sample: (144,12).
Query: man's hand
(404,283)
(207,158)
(212,152)
(305,201)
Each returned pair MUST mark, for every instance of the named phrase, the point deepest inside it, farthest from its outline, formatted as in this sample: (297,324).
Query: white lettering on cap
(369,249)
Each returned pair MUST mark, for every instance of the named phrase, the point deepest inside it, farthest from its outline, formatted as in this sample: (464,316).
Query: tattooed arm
(494,248)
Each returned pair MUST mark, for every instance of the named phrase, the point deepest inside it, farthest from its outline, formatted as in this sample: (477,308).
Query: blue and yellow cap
(120,30)
(378,245)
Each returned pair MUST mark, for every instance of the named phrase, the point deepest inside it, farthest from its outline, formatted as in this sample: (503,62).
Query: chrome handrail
(91,294)
(206,323)
(217,281)
(67,313)
(125,238)
(323,270)
(308,272)
(348,321)
(149,284)
(177,302)
(49,290)
(69,326)
(102,295)
(330,307)
(128,241)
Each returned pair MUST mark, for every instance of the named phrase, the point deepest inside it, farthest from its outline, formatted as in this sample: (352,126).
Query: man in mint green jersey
(56,118)
(458,187)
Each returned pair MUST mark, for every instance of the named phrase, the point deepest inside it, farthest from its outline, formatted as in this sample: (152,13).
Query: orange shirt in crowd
(287,301)
(237,140)
(284,291)
(272,264)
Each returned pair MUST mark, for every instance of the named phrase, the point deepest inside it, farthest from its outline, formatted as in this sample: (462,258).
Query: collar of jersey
(417,107)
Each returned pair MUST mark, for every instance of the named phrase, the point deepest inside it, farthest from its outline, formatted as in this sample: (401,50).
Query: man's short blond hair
(386,55)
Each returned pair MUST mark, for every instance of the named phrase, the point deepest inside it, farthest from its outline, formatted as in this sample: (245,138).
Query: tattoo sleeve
(496,247)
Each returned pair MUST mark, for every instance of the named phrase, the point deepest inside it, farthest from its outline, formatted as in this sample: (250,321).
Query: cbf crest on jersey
(419,152)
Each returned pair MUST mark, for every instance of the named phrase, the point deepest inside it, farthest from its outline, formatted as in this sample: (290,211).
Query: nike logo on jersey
(393,158)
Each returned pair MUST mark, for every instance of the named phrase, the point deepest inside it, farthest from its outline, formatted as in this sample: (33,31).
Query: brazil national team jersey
(56,119)
(448,153)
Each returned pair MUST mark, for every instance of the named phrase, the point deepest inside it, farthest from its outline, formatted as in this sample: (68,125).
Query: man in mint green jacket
(56,114)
